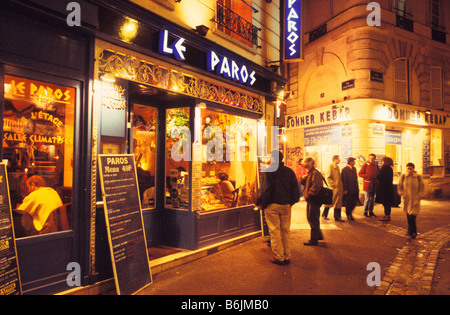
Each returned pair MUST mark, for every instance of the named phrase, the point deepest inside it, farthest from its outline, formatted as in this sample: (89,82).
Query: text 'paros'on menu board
(124,223)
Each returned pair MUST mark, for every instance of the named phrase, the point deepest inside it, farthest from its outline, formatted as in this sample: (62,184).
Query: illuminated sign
(223,66)
(230,69)
(177,49)
(293,30)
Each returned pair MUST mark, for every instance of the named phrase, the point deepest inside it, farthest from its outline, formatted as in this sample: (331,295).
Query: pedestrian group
(281,189)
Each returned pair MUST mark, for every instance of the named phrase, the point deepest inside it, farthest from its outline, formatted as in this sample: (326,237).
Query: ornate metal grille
(237,24)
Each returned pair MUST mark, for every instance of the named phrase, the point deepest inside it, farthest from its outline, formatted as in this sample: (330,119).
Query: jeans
(278,218)
(369,198)
(412,227)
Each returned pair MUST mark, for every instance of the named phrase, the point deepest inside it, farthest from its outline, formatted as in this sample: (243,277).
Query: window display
(178,144)
(38,131)
(144,149)
(229,165)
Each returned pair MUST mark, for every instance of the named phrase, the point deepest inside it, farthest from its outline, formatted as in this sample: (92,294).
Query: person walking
(334,181)
(279,193)
(350,187)
(411,188)
(313,182)
(369,172)
(385,190)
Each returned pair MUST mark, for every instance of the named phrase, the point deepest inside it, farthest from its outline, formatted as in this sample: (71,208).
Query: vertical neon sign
(293,37)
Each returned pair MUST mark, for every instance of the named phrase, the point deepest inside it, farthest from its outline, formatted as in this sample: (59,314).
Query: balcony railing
(405,23)
(233,22)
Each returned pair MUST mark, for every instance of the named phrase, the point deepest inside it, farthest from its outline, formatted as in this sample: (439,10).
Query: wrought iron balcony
(233,22)
(405,23)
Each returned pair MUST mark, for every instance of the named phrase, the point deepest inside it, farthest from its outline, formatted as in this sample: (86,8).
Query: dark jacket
(350,184)
(313,183)
(385,189)
(280,187)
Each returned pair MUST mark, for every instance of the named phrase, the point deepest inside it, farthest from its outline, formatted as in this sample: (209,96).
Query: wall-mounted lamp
(394,106)
(178,1)
(271,65)
(428,112)
(201,30)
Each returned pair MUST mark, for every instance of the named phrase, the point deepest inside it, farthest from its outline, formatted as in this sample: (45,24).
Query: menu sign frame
(124,222)
(10,282)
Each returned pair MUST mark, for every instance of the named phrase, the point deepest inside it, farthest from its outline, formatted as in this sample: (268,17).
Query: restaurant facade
(192,110)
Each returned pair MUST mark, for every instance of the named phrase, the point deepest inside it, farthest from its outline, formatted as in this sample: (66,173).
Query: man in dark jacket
(279,193)
(350,187)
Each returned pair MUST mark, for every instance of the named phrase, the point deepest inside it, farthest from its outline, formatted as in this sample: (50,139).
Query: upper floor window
(434,13)
(401,80)
(401,8)
(436,87)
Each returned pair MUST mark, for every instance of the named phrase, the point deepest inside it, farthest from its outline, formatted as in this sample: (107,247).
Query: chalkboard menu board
(9,265)
(124,223)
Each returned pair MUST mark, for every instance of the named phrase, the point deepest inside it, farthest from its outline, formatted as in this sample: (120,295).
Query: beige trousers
(278,218)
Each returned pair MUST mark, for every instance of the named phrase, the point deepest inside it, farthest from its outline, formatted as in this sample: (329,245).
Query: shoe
(372,215)
(350,218)
(311,243)
(386,218)
(366,214)
(325,218)
(277,262)
(287,261)
(339,220)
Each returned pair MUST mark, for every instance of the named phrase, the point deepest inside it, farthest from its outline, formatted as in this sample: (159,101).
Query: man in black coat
(351,188)
(279,192)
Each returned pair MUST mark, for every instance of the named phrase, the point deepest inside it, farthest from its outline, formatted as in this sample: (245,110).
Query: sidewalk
(338,266)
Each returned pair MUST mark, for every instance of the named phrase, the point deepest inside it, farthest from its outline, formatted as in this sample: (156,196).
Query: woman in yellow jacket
(411,187)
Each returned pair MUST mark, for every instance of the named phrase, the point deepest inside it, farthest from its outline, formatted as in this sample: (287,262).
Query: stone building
(382,89)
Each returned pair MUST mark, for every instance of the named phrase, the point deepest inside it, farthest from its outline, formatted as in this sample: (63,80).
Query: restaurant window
(144,149)
(229,163)
(436,147)
(401,81)
(436,87)
(38,133)
(178,148)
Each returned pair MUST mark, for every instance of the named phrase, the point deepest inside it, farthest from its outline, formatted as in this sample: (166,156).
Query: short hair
(372,155)
(350,159)
(310,159)
(388,161)
(410,164)
(37,180)
(335,157)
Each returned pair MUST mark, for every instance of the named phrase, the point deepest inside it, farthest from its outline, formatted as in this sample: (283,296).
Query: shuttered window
(401,81)
(436,87)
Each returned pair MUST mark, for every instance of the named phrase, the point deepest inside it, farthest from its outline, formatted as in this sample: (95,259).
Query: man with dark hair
(279,193)
(369,172)
(350,187)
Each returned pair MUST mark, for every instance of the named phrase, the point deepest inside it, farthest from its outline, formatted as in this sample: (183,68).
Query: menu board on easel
(9,265)
(124,223)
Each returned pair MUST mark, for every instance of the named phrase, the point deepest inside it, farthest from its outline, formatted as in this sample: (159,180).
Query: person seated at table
(226,187)
(40,202)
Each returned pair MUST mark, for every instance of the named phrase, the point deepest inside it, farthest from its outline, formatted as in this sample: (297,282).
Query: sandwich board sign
(9,265)
(124,223)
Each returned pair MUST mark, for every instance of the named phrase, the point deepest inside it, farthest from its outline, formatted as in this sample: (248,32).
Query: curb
(164,263)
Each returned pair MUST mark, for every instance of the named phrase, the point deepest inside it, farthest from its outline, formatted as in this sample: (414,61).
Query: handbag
(324,196)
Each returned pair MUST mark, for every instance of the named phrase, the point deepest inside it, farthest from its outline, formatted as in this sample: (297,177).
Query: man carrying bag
(313,183)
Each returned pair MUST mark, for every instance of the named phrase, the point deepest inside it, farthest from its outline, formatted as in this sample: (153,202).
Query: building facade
(160,79)
(373,88)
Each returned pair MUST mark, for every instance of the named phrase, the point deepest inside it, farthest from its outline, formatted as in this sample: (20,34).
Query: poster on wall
(426,157)
(124,223)
(322,135)
(9,266)
(447,157)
